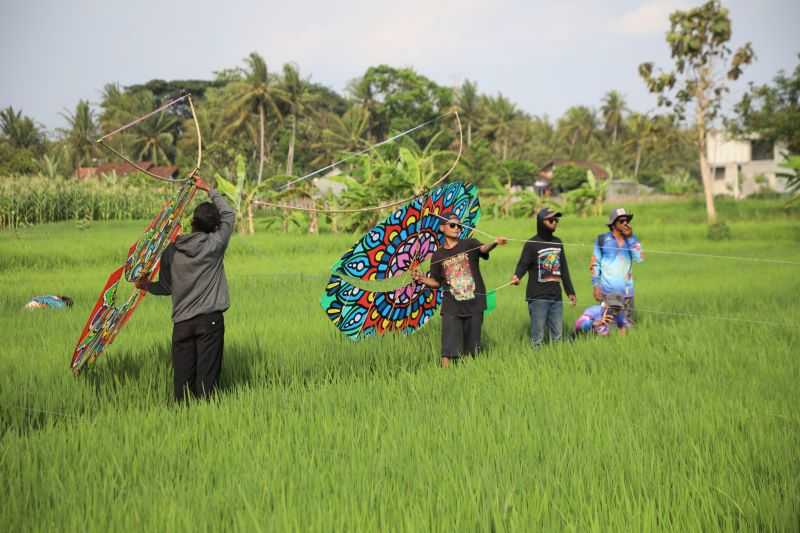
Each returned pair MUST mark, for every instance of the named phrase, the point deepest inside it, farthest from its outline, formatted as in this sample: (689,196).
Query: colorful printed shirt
(612,264)
(545,262)
(457,271)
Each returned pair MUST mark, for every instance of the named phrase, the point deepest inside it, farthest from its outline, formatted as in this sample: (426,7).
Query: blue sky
(545,56)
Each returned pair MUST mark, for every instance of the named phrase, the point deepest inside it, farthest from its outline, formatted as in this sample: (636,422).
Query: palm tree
(539,142)
(20,130)
(294,91)
(500,113)
(256,93)
(643,134)
(469,106)
(360,92)
(153,138)
(347,133)
(81,134)
(576,127)
(613,111)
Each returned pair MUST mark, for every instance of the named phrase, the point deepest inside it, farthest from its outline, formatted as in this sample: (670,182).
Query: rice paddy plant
(689,423)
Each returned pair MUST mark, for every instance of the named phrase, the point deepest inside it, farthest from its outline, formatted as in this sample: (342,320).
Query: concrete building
(741,167)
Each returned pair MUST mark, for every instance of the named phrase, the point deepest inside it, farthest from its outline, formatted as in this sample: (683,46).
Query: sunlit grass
(689,423)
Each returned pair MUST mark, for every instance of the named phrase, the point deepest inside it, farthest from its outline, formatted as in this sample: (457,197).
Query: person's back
(199,285)
(192,271)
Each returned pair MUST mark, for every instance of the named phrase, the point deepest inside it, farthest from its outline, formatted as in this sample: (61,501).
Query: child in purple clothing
(597,319)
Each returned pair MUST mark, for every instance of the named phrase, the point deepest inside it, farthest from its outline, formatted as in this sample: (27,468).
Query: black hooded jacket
(545,261)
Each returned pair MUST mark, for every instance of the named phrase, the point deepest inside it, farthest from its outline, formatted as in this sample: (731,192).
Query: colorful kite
(408,237)
(108,315)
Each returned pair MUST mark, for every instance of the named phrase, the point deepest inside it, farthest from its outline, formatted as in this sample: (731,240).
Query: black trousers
(197,355)
(461,335)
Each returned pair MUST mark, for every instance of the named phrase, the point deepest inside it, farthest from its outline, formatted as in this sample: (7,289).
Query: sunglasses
(553,220)
(453,225)
(623,221)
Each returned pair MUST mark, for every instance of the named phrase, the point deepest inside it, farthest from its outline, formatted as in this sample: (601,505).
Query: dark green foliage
(17,161)
(568,177)
(20,131)
(655,181)
(399,99)
(522,173)
(719,232)
(772,111)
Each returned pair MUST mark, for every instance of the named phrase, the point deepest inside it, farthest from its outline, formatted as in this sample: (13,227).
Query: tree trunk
(711,210)
(705,171)
(638,161)
(614,136)
(261,139)
(313,222)
(251,229)
(290,155)
(572,144)
(469,133)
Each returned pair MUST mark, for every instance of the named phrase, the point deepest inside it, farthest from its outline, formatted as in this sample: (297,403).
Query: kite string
(364,151)
(649,251)
(143,117)
(395,203)
(654,311)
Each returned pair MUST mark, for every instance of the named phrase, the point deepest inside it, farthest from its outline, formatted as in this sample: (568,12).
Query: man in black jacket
(544,259)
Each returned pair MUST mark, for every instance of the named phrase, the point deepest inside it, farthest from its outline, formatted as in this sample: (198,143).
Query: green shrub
(568,178)
(719,232)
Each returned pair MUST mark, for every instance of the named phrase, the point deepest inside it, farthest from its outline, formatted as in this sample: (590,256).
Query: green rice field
(690,423)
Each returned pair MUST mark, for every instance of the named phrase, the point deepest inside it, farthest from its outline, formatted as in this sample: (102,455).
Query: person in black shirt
(544,259)
(455,269)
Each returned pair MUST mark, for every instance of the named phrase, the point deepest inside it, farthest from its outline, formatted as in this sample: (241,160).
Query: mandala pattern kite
(108,316)
(408,237)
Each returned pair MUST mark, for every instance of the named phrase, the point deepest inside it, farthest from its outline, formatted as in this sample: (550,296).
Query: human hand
(143,284)
(597,293)
(604,320)
(572,299)
(514,280)
(501,241)
(627,230)
(416,275)
(201,184)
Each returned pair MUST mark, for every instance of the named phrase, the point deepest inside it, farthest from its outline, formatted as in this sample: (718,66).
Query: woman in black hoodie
(543,257)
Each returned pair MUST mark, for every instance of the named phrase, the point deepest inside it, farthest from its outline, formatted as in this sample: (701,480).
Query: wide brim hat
(616,213)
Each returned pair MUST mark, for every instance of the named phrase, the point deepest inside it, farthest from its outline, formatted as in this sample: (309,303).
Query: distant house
(123,169)
(545,174)
(741,167)
(327,186)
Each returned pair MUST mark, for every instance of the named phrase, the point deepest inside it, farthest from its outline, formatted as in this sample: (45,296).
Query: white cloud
(650,17)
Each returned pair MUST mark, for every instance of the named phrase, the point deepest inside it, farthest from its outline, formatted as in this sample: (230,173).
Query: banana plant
(242,194)
(792,163)
(588,198)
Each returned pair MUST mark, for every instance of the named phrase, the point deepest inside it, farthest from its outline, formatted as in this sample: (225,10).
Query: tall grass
(688,424)
(30,200)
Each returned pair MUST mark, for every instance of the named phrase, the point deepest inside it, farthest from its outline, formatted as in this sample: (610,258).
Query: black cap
(546,212)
